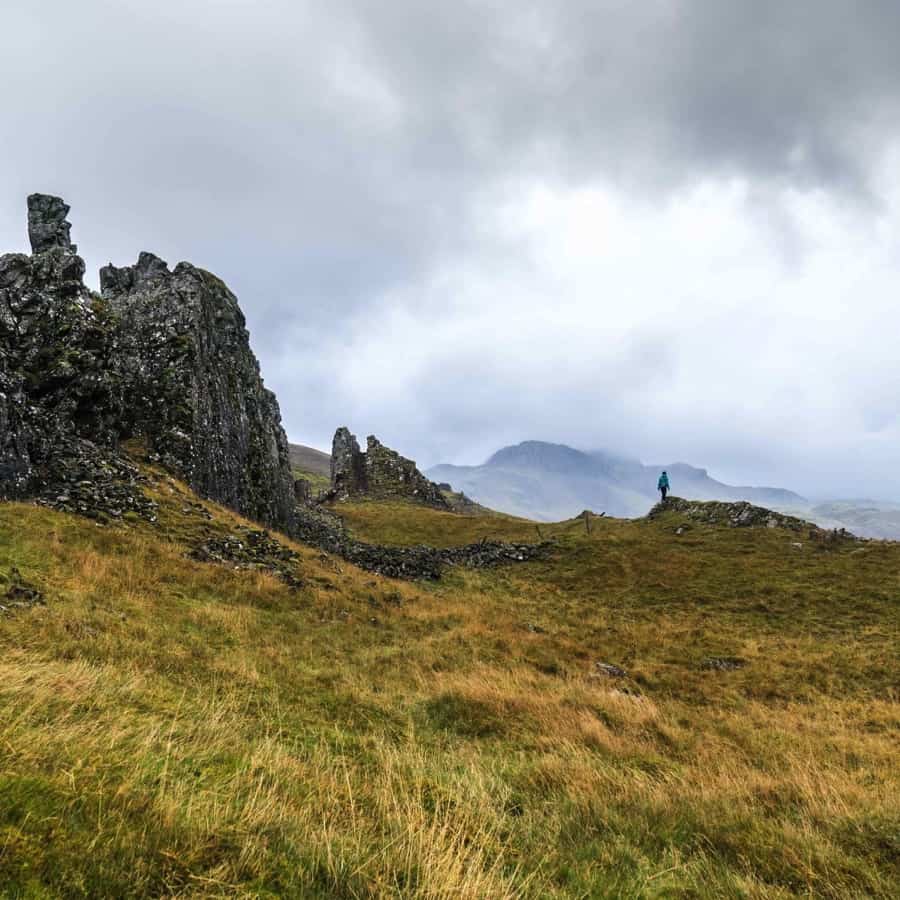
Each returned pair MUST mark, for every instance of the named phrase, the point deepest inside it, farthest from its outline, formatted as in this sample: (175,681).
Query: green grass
(318,482)
(172,728)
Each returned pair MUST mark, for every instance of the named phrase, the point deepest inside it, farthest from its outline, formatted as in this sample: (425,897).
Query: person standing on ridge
(663,485)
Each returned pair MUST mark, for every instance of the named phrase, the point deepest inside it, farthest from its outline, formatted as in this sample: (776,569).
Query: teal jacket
(663,481)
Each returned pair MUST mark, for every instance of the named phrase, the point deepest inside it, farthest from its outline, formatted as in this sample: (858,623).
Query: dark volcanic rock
(194,387)
(59,392)
(302,491)
(47,224)
(388,474)
(348,466)
(163,355)
(740,514)
(379,472)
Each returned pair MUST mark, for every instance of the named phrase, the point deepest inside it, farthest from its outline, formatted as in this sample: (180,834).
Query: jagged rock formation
(379,472)
(165,356)
(60,395)
(194,387)
(348,466)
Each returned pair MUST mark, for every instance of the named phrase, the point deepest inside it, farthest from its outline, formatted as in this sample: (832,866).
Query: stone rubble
(723,663)
(19,594)
(740,514)
(325,530)
(607,670)
(250,548)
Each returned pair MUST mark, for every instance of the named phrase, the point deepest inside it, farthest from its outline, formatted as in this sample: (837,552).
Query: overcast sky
(668,228)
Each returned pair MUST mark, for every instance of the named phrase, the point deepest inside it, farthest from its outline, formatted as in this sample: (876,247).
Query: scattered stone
(325,530)
(607,670)
(723,663)
(250,549)
(18,593)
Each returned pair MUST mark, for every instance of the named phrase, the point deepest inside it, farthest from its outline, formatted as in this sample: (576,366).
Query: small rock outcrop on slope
(195,391)
(378,472)
(735,515)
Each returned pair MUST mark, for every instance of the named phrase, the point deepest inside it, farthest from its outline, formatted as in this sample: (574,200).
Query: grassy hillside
(311,464)
(177,728)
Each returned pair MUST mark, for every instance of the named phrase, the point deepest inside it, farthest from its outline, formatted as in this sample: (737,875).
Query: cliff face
(379,472)
(164,355)
(195,389)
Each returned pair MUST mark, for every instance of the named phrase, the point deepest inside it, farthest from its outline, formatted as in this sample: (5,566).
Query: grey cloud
(328,160)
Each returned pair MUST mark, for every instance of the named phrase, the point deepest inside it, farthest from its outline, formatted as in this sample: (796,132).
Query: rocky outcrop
(379,472)
(348,466)
(734,515)
(161,355)
(194,387)
(48,224)
(164,355)
(60,395)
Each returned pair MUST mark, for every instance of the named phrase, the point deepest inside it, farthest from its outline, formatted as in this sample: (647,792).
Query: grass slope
(311,464)
(174,728)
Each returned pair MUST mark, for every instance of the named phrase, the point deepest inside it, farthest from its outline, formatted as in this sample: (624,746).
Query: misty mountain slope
(550,482)
(865,518)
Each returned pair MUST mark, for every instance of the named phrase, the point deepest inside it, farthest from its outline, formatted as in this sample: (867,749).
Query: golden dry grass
(173,728)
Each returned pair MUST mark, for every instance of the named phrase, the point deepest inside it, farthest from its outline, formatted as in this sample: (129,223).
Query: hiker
(663,485)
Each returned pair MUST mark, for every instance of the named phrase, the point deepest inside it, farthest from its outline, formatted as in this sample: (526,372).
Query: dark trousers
(664,491)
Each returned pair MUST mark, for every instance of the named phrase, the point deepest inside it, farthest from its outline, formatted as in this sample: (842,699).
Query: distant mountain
(549,482)
(865,518)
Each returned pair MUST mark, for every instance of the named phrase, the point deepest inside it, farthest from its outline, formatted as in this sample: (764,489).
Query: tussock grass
(172,728)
